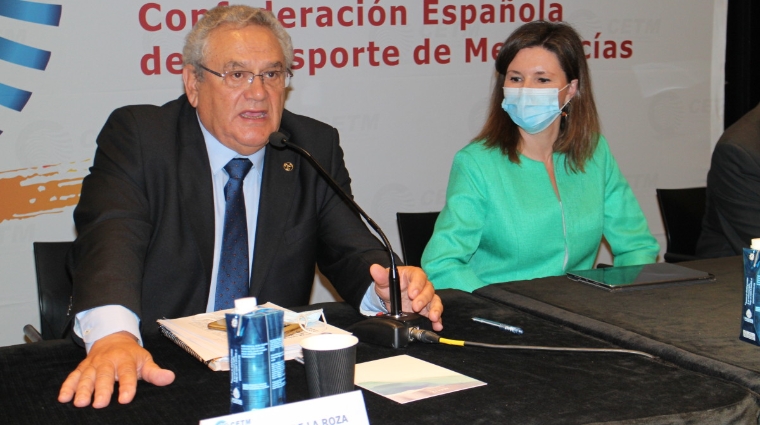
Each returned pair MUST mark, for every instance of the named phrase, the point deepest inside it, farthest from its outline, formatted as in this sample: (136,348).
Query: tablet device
(614,278)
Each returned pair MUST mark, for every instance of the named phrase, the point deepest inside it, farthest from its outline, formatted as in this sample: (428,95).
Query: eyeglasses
(236,79)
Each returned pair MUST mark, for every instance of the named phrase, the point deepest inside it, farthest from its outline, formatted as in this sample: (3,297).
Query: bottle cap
(755,243)
(248,304)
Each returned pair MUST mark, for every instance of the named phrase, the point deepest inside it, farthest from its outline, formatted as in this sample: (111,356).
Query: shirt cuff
(372,303)
(93,324)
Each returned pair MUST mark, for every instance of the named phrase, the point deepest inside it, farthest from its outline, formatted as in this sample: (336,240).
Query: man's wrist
(94,324)
(383,303)
(372,303)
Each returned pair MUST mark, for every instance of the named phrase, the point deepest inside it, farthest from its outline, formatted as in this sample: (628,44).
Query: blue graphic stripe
(13,98)
(23,55)
(37,13)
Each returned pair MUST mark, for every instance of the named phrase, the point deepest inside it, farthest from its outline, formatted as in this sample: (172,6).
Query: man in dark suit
(152,224)
(732,209)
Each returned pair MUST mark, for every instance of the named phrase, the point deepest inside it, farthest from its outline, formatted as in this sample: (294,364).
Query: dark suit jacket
(732,214)
(145,220)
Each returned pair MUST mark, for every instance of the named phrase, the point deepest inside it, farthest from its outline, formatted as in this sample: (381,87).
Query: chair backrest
(415,230)
(54,288)
(682,211)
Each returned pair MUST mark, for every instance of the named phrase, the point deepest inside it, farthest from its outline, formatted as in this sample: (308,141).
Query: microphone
(388,329)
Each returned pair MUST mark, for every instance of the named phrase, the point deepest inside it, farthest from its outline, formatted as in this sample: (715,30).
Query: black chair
(682,211)
(415,230)
(54,289)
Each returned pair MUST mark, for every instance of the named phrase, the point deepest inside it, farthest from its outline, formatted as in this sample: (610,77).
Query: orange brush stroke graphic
(30,192)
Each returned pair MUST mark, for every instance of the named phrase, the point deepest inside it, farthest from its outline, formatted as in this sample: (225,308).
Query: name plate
(346,408)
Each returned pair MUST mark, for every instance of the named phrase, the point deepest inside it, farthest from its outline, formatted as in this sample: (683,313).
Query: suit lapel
(196,191)
(275,202)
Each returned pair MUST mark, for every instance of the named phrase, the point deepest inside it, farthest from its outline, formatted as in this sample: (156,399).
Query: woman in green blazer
(537,190)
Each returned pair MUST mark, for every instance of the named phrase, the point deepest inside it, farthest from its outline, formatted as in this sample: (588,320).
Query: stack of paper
(192,333)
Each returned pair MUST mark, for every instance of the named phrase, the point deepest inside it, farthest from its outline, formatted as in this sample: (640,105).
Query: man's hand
(417,293)
(116,357)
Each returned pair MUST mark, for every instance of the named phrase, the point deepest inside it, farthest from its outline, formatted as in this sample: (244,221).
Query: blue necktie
(232,280)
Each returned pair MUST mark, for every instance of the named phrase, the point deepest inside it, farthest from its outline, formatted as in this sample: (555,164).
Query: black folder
(646,275)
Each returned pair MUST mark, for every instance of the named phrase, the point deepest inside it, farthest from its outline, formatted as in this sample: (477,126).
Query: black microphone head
(277,140)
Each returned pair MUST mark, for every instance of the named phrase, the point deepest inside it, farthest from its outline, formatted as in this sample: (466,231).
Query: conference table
(524,386)
(695,325)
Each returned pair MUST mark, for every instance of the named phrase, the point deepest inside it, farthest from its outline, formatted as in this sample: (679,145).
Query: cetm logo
(21,54)
(49,189)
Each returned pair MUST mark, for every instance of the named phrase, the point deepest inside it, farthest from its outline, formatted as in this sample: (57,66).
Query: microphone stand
(390,329)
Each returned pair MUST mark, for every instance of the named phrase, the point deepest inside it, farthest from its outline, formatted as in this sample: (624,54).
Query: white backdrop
(657,69)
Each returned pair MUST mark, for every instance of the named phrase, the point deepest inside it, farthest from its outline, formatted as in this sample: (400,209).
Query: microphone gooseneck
(279,140)
(391,329)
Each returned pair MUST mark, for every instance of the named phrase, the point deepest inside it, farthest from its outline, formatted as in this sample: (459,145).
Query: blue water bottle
(257,359)
(750,326)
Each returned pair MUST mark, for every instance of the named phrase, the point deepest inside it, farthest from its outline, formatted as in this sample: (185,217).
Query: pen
(513,329)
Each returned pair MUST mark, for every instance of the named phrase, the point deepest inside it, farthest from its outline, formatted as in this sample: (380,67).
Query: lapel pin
(288,166)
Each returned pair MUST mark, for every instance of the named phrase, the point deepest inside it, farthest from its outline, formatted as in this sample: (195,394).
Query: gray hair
(239,17)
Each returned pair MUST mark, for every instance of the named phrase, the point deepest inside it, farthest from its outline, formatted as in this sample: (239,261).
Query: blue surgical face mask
(531,109)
